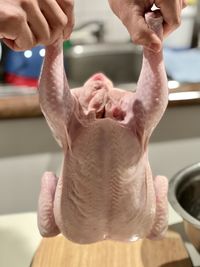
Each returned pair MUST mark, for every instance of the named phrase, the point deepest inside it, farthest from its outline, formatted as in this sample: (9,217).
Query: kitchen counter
(24,101)
(19,237)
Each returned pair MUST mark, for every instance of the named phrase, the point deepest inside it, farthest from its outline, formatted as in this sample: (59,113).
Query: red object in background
(23,68)
(17,80)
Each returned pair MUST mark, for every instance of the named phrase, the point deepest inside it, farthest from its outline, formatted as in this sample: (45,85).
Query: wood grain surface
(59,252)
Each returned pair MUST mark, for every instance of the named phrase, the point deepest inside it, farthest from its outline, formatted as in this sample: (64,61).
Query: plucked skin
(106,189)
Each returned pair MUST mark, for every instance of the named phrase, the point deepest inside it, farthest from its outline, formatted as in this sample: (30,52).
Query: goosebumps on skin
(106,189)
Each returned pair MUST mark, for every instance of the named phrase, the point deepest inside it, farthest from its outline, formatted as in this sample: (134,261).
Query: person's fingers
(132,15)
(139,31)
(68,8)
(56,18)
(37,22)
(24,40)
(13,26)
(26,23)
(171,12)
(50,20)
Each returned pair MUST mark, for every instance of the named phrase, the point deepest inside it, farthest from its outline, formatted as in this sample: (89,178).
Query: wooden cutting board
(59,252)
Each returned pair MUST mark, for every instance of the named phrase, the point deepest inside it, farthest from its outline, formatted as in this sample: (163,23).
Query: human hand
(27,23)
(131,13)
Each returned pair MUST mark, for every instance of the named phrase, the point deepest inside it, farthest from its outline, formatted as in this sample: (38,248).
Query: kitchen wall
(87,10)
(27,149)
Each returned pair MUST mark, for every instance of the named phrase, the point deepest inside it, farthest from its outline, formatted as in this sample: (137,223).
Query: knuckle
(60,23)
(14,16)
(17,17)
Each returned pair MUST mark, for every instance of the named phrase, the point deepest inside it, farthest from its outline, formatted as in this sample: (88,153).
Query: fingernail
(154,47)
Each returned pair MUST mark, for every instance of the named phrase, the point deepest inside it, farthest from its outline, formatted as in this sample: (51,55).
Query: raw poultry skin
(106,189)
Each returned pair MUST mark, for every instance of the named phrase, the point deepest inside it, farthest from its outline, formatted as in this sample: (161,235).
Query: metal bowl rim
(173,184)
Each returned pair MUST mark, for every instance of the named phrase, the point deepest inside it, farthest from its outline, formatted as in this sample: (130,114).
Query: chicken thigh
(106,189)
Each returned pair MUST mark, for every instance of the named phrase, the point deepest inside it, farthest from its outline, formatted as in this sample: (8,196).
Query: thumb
(140,32)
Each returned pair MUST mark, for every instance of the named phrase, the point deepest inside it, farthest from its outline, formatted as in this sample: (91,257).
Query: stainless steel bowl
(184,196)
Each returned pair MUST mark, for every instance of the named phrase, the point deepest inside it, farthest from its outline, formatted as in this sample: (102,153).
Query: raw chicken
(106,189)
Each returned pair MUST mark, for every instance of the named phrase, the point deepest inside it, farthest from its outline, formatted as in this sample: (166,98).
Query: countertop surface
(19,237)
(17,102)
